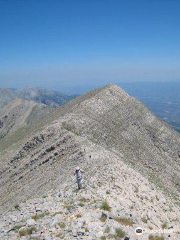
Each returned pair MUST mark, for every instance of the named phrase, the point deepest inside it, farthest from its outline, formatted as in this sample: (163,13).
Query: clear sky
(65,43)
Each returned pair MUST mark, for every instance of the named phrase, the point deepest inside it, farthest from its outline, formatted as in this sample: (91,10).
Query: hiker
(78,174)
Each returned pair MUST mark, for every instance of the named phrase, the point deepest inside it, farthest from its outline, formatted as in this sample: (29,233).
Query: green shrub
(62,225)
(103,218)
(82,199)
(144,220)
(164,226)
(124,221)
(120,233)
(105,206)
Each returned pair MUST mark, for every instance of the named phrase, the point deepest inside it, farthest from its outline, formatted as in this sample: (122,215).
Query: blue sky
(60,44)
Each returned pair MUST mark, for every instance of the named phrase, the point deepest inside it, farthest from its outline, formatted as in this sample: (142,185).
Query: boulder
(30,222)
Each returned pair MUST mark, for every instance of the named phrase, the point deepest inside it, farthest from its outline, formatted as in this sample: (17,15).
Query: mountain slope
(98,131)
(64,213)
(41,95)
(19,113)
(6,96)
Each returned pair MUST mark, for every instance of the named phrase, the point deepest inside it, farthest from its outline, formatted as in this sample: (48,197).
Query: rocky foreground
(115,201)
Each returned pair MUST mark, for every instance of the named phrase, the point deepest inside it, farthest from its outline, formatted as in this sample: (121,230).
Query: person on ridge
(78,174)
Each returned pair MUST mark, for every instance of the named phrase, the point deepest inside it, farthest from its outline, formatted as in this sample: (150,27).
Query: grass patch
(82,199)
(27,231)
(124,221)
(39,216)
(119,233)
(103,218)
(103,238)
(54,214)
(107,230)
(144,220)
(69,206)
(81,204)
(105,206)
(151,237)
(86,230)
(164,226)
(62,225)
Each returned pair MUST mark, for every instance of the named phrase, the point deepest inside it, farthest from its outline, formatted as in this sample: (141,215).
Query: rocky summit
(131,161)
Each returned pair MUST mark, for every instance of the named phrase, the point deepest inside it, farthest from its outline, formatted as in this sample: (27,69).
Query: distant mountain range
(42,95)
(22,107)
(37,94)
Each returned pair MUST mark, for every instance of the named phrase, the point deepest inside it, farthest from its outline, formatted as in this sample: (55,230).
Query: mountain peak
(130,158)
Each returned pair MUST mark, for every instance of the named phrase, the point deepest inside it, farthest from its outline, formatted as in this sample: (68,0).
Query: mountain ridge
(107,120)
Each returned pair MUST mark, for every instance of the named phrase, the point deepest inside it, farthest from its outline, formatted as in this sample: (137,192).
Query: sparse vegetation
(17,207)
(78,215)
(124,221)
(69,206)
(82,199)
(107,192)
(62,225)
(144,220)
(54,214)
(107,230)
(119,233)
(26,231)
(81,204)
(39,216)
(17,227)
(103,238)
(164,226)
(103,218)
(151,237)
(105,206)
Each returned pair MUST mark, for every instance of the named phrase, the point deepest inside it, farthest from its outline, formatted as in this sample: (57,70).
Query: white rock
(30,222)
(56,220)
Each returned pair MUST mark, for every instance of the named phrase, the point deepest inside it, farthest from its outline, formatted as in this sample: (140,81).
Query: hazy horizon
(66,44)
